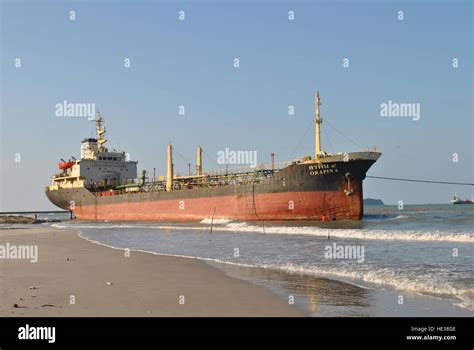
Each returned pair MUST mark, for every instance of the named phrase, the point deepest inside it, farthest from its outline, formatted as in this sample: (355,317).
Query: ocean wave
(396,279)
(384,217)
(215,221)
(393,278)
(102,226)
(398,217)
(60,226)
(244,227)
(408,235)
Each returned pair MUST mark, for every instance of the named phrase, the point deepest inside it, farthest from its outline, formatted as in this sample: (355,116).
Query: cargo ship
(104,185)
(457,200)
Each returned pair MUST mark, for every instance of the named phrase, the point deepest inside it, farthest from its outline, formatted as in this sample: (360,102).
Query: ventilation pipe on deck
(169,174)
(199,161)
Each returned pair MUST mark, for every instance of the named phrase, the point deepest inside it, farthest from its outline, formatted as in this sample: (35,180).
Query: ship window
(109,158)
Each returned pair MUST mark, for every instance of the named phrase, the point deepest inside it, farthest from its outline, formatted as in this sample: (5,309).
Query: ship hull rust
(305,191)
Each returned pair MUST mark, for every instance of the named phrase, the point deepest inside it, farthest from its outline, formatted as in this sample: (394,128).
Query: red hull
(269,206)
(301,191)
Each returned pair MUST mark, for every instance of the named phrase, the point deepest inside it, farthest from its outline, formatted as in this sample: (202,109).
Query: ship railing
(211,178)
(181,184)
(250,169)
(371,149)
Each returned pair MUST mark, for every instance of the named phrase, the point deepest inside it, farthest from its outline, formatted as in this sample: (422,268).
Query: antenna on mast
(99,125)
(317,146)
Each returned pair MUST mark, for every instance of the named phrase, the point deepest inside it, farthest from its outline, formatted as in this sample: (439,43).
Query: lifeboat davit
(65,165)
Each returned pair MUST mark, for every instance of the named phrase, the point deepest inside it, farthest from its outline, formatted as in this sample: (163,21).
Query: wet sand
(74,277)
(324,297)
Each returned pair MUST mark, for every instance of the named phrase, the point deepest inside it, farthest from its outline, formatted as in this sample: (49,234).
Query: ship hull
(324,191)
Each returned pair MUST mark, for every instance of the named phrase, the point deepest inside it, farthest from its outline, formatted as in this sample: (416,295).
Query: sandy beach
(74,277)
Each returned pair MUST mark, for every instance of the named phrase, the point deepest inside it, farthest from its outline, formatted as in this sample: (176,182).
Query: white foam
(60,226)
(406,235)
(467,299)
(428,285)
(409,235)
(401,216)
(220,221)
(100,226)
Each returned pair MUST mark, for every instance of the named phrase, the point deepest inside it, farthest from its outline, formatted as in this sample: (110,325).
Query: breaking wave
(427,284)
(397,279)
(215,221)
(406,235)
(384,217)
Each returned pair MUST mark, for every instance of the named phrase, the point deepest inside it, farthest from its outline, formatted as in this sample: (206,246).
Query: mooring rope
(255,207)
(424,181)
(344,135)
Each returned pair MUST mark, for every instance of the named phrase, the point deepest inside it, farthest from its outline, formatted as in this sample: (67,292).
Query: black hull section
(330,181)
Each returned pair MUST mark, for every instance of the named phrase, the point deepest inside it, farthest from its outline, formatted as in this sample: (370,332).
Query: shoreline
(273,280)
(327,297)
(76,278)
(317,296)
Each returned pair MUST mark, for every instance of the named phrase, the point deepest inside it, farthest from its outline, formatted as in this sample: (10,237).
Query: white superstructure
(97,167)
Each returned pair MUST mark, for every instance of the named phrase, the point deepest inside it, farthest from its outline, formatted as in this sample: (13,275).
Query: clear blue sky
(282,63)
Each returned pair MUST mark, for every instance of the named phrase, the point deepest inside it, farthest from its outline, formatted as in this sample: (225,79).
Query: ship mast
(317,146)
(99,125)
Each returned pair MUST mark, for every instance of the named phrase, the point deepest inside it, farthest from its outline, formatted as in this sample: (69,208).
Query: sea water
(422,250)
